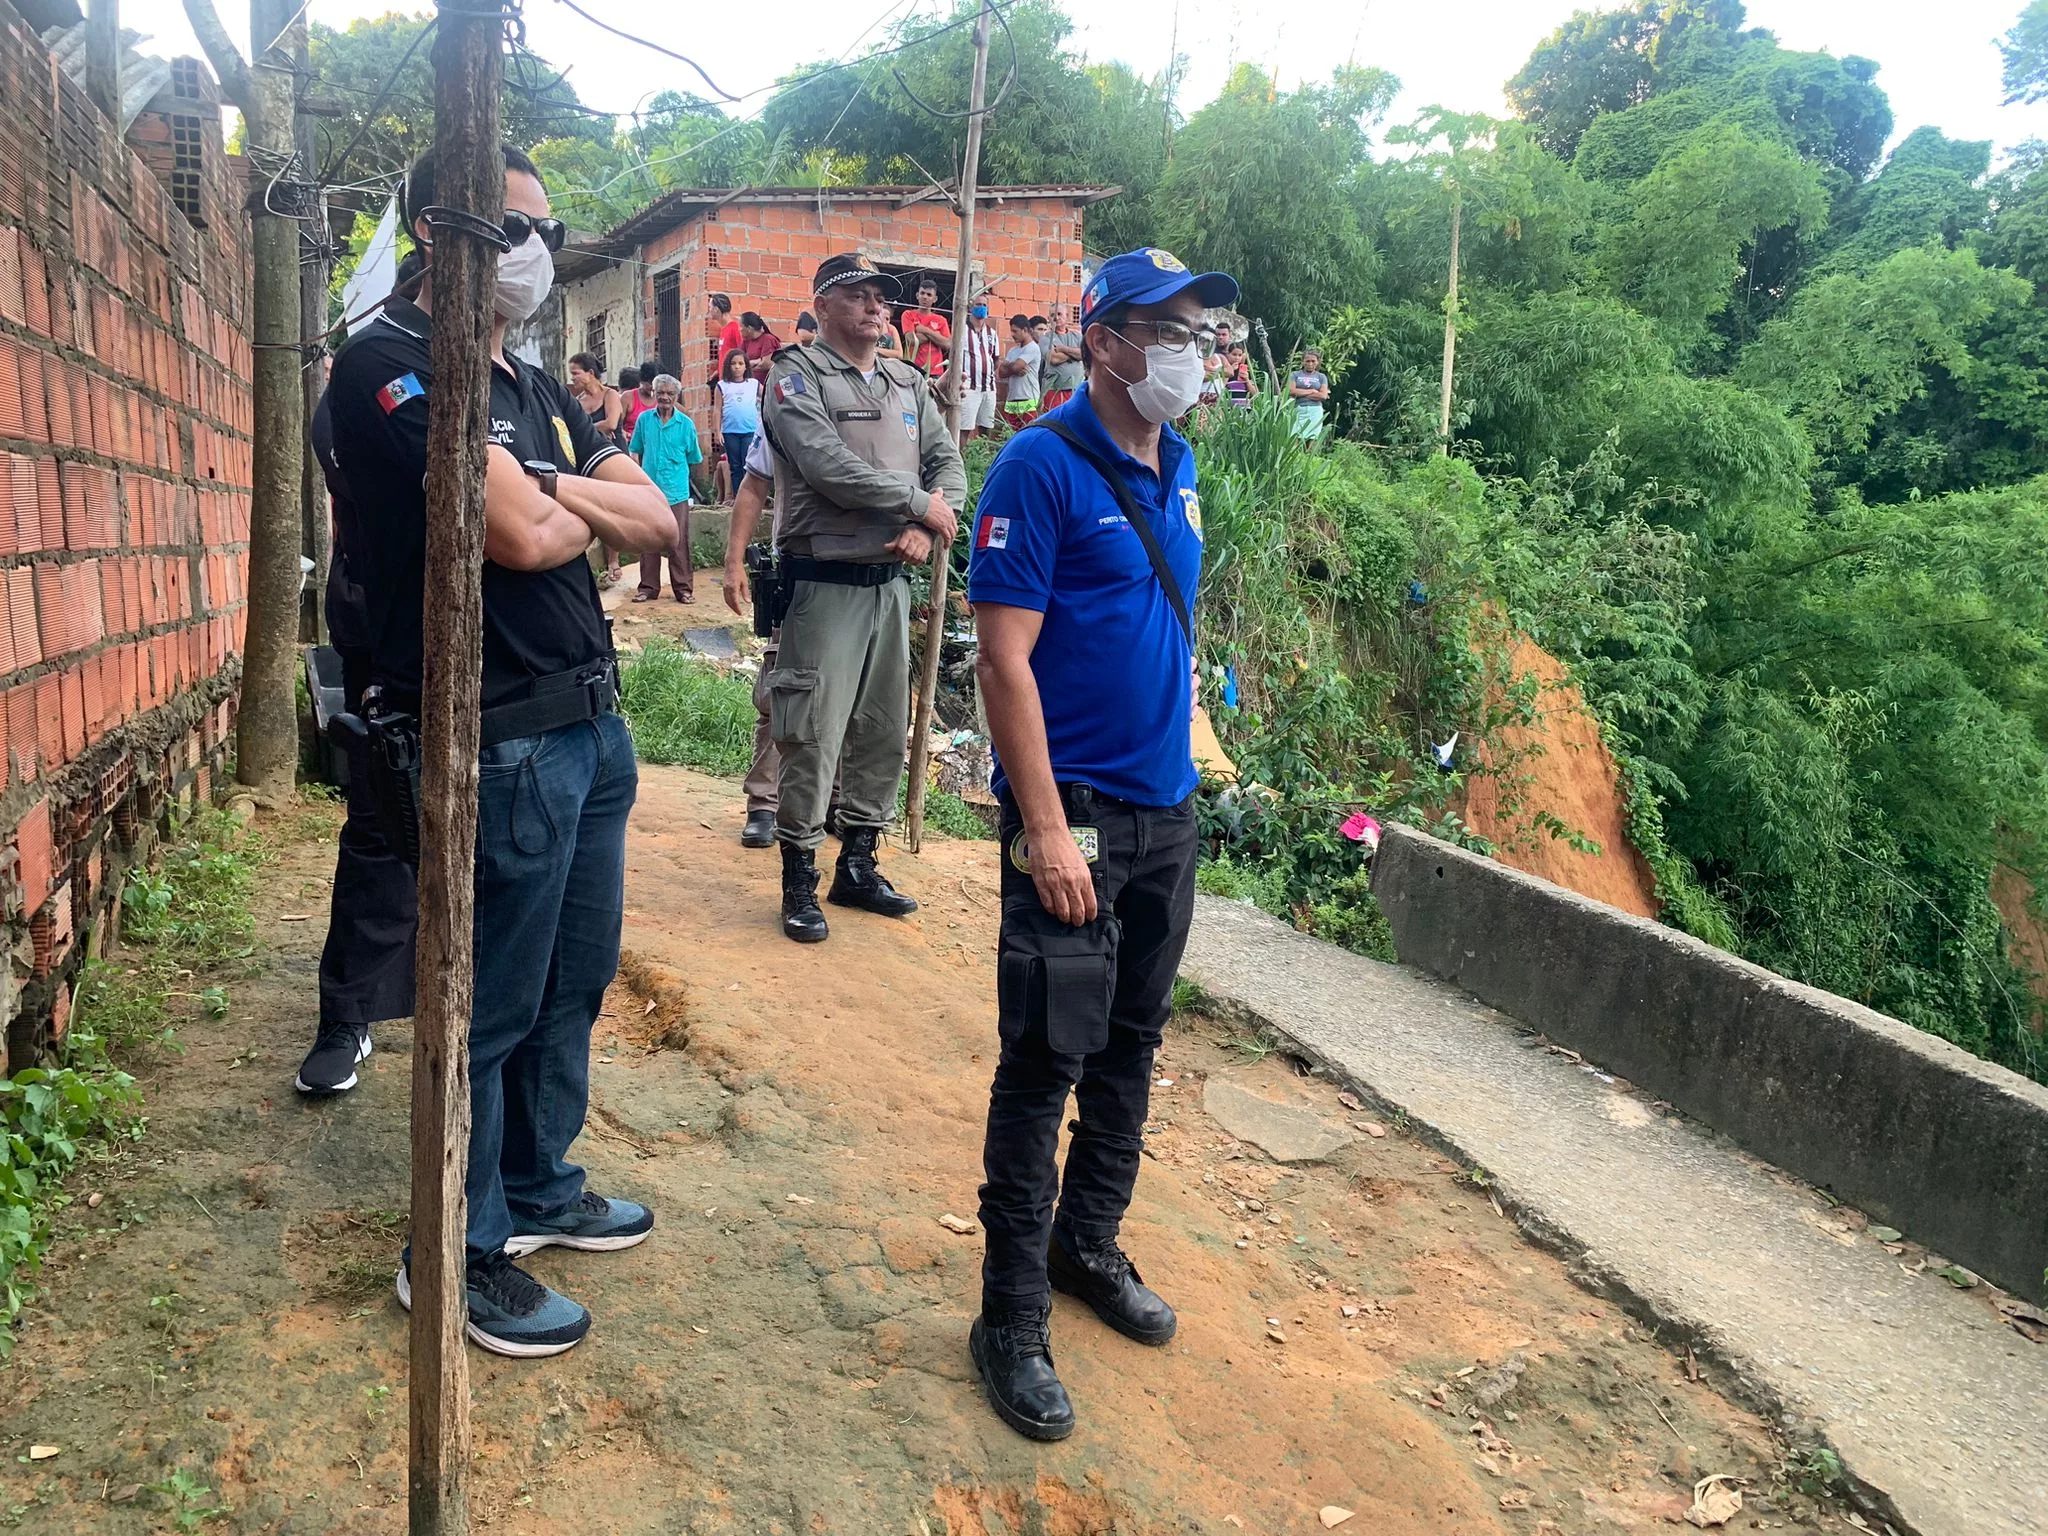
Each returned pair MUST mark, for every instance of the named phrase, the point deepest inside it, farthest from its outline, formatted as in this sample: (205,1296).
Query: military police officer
(866,479)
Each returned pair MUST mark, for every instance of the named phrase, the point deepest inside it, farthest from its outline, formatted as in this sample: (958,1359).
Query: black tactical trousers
(366,968)
(1080,1010)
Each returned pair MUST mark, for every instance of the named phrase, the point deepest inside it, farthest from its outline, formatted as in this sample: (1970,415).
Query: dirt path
(787,1355)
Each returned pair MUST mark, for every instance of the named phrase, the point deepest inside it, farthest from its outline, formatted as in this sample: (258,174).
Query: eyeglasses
(1175,337)
(518,226)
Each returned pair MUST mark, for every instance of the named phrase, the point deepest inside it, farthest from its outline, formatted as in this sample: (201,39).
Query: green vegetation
(83,1107)
(1747,428)
(684,710)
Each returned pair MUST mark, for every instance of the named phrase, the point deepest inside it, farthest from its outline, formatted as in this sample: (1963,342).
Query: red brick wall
(764,254)
(124,508)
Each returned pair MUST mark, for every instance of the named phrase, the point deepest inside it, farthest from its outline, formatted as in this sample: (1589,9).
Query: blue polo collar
(1089,428)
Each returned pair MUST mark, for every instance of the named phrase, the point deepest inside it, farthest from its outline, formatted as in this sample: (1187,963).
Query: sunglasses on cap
(518,226)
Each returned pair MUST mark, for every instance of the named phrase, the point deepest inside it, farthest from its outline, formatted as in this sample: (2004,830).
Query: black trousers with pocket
(366,966)
(1080,1011)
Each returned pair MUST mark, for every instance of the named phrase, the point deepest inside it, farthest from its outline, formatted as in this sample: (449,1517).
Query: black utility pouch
(1056,980)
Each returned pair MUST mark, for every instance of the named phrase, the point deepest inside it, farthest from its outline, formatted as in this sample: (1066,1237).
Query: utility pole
(963,284)
(103,58)
(1443,426)
(313,262)
(267,728)
(469,173)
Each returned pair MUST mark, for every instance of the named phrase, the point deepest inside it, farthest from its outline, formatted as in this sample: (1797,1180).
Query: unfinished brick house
(644,289)
(125,416)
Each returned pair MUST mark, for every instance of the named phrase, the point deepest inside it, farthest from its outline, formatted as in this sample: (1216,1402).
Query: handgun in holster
(387,744)
(771,592)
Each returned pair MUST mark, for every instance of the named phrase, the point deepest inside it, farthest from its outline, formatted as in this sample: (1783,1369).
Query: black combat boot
(856,882)
(1104,1278)
(801,918)
(1013,1352)
(759,831)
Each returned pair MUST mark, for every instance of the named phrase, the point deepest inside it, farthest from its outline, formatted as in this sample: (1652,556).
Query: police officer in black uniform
(556,772)
(366,966)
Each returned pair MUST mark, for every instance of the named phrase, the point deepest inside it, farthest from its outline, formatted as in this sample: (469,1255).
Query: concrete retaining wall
(1920,1134)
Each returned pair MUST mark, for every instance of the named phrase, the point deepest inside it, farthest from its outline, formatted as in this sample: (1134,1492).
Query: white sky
(1940,64)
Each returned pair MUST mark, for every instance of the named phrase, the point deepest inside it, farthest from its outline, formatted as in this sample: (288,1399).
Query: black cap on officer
(837,271)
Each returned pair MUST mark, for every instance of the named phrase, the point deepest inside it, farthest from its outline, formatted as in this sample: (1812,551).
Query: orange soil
(2026,934)
(1559,765)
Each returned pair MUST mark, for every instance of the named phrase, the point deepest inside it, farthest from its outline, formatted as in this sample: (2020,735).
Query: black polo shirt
(535,623)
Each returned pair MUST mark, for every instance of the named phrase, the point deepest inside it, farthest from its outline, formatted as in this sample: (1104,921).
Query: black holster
(387,746)
(771,592)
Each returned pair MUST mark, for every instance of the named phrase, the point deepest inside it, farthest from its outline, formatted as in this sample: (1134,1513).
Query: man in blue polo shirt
(1087,669)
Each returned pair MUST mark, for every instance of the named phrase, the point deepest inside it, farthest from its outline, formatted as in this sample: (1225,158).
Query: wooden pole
(103,57)
(1443,429)
(470,176)
(963,285)
(267,725)
(313,273)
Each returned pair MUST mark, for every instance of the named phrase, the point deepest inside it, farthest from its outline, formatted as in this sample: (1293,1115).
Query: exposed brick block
(19,706)
(21,616)
(35,411)
(58,623)
(38,855)
(50,720)
(72,699)
(50,509)
(12,421)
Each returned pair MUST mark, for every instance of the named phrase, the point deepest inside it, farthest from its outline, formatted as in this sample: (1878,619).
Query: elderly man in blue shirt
(1087,551)
(665,443)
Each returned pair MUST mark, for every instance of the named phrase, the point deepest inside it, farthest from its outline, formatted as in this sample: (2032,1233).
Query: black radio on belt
(771,593)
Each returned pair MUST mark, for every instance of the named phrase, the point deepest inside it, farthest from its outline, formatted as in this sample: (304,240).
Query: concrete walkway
(1936,1407)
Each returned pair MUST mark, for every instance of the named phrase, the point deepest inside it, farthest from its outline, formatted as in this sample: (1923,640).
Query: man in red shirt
(728,331)
(758,342)
(927,333)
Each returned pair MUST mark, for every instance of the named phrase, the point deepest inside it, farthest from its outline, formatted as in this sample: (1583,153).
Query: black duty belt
(559,699)
(841,573)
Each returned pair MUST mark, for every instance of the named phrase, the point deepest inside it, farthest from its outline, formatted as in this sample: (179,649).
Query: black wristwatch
(543,471)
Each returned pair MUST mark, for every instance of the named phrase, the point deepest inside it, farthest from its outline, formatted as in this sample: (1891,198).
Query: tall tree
(2026,55)
(1260,186)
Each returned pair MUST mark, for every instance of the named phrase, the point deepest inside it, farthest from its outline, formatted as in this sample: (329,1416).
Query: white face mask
(1172,383)
(525,274)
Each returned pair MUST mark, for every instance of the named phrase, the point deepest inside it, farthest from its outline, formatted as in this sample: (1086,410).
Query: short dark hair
(419,181)
(1038,320)
(1023,320)
(587,361)
(649,367)
(1114,316)
(629,378)
(722,302)
(751,319)
(926,280)
(807,321)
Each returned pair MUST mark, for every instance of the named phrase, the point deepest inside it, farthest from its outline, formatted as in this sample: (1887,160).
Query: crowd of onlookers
(1014,372)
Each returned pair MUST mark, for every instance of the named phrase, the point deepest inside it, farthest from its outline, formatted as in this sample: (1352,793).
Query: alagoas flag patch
(789,386)
(994,533)
(399,390)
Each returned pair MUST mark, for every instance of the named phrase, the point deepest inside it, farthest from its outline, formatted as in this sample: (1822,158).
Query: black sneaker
(1013,1352)
(510,1312)
(330,1067)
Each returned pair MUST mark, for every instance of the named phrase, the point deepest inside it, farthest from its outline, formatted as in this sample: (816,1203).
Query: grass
(688,712)
(193,911)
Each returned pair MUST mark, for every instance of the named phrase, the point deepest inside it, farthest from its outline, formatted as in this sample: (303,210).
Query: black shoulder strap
(1134,515)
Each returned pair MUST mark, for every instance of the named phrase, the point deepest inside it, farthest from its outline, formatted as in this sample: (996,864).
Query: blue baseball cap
(1151,276)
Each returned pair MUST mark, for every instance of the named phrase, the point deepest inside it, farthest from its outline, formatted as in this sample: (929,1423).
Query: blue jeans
(550,888)
(737,446)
